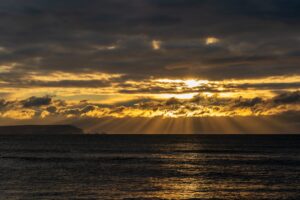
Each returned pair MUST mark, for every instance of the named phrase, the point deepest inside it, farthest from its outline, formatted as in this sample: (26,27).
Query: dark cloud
(36,101)
(272,86)
(257,38)
(88,108)
(51,109)
(172,101)
(3,104)
(288,97)
(69,83)
(248,102)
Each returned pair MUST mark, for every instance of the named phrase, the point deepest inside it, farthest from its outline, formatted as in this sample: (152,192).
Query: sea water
(150,167)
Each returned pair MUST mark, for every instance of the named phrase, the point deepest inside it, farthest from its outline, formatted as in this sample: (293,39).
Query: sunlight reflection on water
(139,167)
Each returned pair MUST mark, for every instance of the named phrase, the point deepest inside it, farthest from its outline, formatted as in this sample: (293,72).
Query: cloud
(111,49)
(258,39)
(200,105)
(248,102)
(69,83)
(172,101)
(36,101)
(51,109)
(287,98)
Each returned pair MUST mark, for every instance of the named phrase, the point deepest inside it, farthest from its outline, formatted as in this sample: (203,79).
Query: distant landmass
(41,129)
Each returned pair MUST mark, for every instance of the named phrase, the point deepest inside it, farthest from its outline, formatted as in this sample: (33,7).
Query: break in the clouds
(148,58)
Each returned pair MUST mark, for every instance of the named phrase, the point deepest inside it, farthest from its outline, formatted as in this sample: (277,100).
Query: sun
(192,83)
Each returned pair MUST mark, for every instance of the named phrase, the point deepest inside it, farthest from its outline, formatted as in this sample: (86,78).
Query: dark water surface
(149,167)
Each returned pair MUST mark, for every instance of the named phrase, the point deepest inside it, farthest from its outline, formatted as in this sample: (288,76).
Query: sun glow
(191,83)
(156,44)
(211,40)
(195,83)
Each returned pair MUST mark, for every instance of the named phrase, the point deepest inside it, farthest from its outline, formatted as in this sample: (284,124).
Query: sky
(152,66)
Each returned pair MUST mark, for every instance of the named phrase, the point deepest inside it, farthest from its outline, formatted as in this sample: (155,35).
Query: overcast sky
(133,57)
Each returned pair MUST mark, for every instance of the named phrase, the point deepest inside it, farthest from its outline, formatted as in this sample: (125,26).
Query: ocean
(150,167)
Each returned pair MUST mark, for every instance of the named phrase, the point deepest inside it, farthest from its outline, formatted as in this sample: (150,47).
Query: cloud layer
(62,60)
(198,106)
(143,38)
